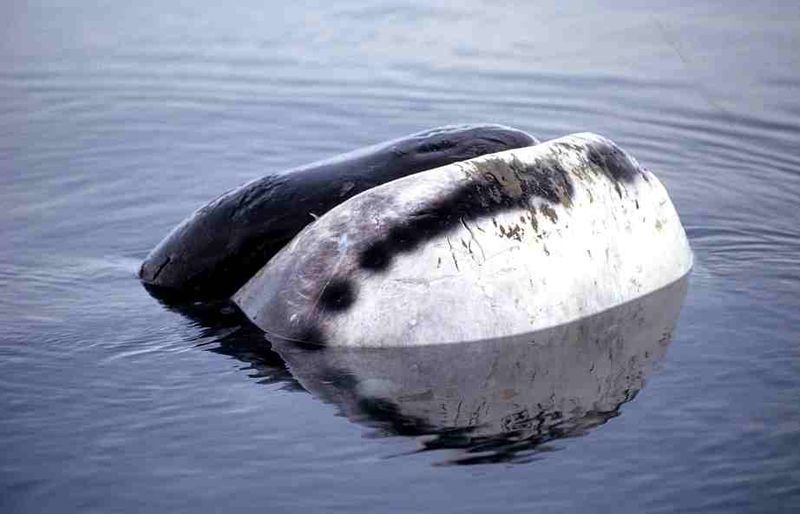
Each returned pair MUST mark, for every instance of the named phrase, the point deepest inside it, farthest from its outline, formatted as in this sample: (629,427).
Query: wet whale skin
(499,245)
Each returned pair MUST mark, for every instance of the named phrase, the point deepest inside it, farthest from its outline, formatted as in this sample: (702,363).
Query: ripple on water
(118,119)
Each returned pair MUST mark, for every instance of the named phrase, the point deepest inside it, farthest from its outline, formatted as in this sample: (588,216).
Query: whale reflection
(497,400)
(489,401)
(219,327)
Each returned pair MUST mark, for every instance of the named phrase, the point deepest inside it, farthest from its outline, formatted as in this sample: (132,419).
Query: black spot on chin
(311,339)
(338,295)
(376,258)
(404,237)
(613,162)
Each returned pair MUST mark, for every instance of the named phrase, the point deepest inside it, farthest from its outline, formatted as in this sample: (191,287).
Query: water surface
(117,119)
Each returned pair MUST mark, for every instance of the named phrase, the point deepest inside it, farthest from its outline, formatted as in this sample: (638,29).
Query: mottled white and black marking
(217,249)
(499,245)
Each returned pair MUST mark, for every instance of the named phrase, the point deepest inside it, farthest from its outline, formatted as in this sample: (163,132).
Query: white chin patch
(496,246)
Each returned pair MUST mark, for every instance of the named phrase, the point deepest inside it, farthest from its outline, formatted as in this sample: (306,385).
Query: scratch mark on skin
(161,268)
(453,254)
(501,252)
(472,235)
(422,281)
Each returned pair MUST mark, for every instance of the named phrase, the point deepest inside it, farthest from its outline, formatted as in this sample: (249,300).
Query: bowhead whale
(217,249)
(498,245)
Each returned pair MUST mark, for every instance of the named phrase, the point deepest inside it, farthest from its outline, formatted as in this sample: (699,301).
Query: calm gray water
(117,119)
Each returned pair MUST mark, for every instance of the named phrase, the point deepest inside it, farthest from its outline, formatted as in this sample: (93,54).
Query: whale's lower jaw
(492,247)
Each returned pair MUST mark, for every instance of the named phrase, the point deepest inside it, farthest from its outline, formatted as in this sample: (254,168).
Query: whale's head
(454,143)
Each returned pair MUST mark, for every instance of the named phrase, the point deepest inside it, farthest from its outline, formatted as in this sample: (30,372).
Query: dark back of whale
(217,249)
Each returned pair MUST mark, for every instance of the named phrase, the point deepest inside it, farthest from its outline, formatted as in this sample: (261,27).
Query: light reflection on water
(117,119)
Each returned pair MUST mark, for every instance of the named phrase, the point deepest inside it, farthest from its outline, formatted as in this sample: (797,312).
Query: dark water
(117,119)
